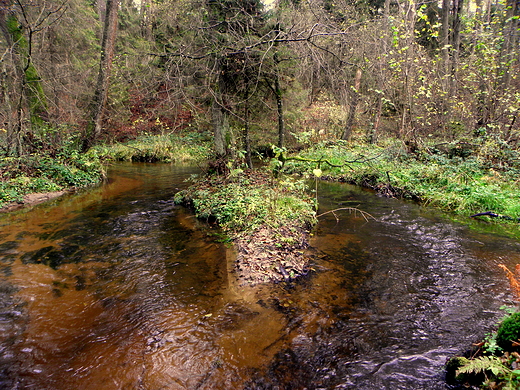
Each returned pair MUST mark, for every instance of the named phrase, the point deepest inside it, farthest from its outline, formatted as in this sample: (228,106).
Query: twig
(364,214)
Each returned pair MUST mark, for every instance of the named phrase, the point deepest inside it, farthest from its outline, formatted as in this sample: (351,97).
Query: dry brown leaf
(513,280)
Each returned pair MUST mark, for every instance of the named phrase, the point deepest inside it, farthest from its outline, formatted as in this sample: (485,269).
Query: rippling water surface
(118,288)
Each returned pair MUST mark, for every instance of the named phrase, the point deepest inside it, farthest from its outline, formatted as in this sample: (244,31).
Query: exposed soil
(32,199)
(268,254)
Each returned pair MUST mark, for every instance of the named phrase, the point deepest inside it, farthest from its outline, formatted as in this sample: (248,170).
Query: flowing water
(118,288)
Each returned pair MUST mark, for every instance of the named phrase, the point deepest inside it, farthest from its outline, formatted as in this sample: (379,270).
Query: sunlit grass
(158,148)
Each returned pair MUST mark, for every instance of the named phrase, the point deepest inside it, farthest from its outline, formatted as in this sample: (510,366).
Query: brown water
(118,288)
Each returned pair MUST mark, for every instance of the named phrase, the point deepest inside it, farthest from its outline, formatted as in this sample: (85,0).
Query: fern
(485,363)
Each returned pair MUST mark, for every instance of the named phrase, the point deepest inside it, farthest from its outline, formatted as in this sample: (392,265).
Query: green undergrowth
(463,185)
(495,364)
(192,147)
(245,200)
(20,176)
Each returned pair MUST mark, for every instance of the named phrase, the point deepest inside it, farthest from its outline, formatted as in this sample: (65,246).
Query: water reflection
(118,288)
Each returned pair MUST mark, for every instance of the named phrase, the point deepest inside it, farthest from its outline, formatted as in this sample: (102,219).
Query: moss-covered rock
(508,332)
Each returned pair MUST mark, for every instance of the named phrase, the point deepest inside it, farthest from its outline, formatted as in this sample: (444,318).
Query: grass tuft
(193,147)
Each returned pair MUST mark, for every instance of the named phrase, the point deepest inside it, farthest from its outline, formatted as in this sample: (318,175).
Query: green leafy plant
(242,202)
(468,185)
(53,166)
(497,364)
(494,369)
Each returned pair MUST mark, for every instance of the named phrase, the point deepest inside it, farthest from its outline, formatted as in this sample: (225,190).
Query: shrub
(508,332)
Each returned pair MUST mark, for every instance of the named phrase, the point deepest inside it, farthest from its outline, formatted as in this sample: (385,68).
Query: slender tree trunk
(146,12)
(445,54)
(101,8)
(12,84)
(223,137)
(445,36)
(220,129)
(353,106)
(278,93)
(247,141)
(372,138)
(374,131)
(477,26)
(488,12)
(455,45)
(30,79)
(511,40)
(94,127)
(279,104)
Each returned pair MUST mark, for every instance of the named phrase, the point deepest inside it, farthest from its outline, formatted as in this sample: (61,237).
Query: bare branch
(351,210)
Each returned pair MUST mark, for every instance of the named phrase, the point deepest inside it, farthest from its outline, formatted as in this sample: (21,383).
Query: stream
(118,288)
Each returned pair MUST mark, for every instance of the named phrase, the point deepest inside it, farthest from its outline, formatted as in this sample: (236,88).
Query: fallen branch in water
(495,215)
(364,214)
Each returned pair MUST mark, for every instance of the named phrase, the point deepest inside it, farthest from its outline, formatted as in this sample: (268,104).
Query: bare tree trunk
(372,138)
(247,141)
(94,128)
(101,8)
(511,38)
(455,46)
(11,85)
(279,105)
(22,47)
(220,129)
(31,103)
(374,130)
(488,12)
(477,26)
(445,36)
(146,12)
(353,106)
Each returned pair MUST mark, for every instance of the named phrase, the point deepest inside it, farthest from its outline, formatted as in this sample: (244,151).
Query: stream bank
(483,182)
(32,199)
(269,221)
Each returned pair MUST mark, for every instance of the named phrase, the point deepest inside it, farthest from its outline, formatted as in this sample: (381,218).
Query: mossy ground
(50,170)
(466,183)
(267,219)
